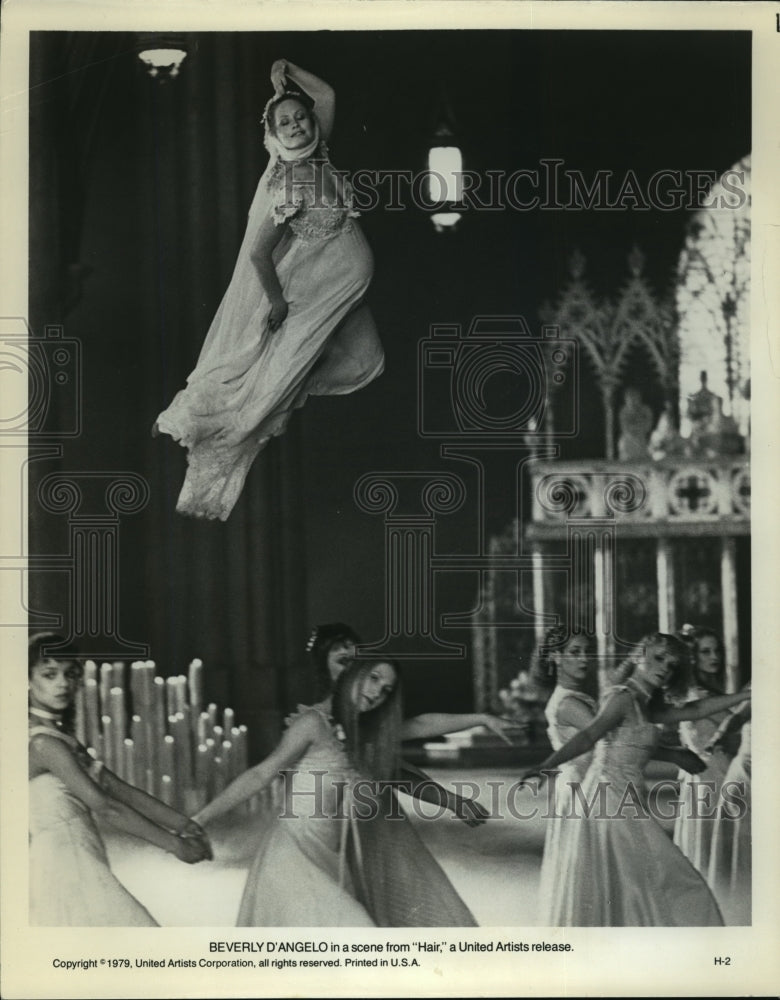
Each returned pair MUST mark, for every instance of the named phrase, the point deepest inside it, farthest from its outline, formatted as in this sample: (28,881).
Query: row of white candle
(157,735)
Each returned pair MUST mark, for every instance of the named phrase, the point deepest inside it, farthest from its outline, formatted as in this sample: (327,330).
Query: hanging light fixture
(445,173)
(162,55)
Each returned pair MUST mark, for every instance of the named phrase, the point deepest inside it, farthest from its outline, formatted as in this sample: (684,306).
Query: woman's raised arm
(611,715)
(321,93)
(303,731)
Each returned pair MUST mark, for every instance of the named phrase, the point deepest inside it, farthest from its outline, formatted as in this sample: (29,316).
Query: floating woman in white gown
(293,322)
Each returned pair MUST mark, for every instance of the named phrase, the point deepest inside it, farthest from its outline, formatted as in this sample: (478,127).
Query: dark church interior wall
(138,198)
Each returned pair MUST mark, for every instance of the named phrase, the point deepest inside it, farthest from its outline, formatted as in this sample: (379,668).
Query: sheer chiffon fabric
(249,380)
(71,883)
(322,865)
(619,866)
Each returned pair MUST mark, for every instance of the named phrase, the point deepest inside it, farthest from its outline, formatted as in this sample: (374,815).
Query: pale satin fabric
(248,380)
(298,877)
(625,871)
(695,825)
(71,883)
(570,774)
(730,868)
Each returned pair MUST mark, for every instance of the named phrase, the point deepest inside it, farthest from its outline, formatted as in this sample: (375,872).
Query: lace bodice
(323,222)
(621,755)
(299,197)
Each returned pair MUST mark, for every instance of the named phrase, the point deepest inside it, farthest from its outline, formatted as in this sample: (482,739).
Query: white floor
(494,867)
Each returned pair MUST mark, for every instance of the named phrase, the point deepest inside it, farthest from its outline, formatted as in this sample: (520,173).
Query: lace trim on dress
(290,199)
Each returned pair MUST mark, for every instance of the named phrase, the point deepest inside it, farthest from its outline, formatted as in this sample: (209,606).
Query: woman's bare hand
(471,812)
(278,314)
(279,76)
(499,726)
(191,850)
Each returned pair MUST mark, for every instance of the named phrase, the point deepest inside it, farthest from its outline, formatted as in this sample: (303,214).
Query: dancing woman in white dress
(332,648)
(730,869)
(341,852)
(567,659)
(564,660)
(293,321)
(619,866)
(699,793)
(71,883)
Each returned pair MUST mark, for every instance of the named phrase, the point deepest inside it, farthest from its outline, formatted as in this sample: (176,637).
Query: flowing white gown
(71,883)
(571,773)
(248,380)
(699,793)
(730,869)
(321,865)
(620,868)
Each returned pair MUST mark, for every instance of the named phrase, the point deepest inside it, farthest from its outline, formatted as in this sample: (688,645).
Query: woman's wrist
(173,844)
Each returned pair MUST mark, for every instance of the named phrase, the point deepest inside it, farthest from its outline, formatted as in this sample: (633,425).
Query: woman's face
(572,661)
(53,684)
(658,664)
(293,125)
(708,660)
(340,656)
(375,687)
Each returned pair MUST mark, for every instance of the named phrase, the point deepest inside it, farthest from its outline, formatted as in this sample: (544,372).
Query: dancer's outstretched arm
(54,756)
(303,731)
(701,709)
(610,715)
(149,806)
(731,724)
(681,757)
(439,723)
(422,786)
